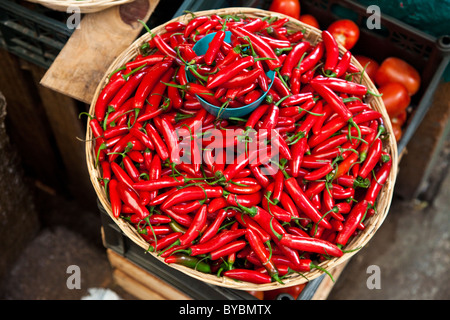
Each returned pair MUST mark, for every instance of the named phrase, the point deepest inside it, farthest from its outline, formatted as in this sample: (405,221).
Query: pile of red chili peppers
(254,218)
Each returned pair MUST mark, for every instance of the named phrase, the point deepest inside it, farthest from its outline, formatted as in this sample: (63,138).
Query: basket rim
(355,243)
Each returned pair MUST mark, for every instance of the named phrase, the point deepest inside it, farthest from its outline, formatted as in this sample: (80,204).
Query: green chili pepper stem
(322,269)
(282,99)
(146,27)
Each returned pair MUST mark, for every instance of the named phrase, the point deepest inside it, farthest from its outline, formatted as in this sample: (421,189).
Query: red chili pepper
(312,59)
(186,208)
(252,96)
(128,88)
(373,156)
(106,95)
(112,132)
(351,222)
(330,143)
(160,146)
(149,81)
(165,242)
(353,182)
(332,51)
(259,45)
(256,115)
(214,46)
(130,168)
(271,119)
(319,173)
(244,79)
(248,275)
(227,249)
(213,228)
(299,197)
(231,71)
(206,27)
(194,229)
(170,137)
(174,96)
(311,245)
(276,211)
(114,198)
(342,66)
(265,220)
(263,255)
(148,61)
(131,199)
(345,165)
(296,36)
(243,186)
(246,200)
(276,44)
(258,174)
(194,24)
(296,99)
(220,239)
(161,197)
(293,59)
(333,100)
(217,204)
(144,138)
(298,150)
(278,187)
(327,131)
(165,48)
(378,181)
(121,175)
(249,223)
(341,85)
(192,193)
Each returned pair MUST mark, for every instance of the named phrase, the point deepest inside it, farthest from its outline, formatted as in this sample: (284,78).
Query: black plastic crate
(32,32)
(116,240)
(428,54)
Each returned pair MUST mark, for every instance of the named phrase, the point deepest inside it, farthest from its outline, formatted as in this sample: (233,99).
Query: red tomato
(370,64)
(397,70)
(294,291)
(257,294)
(397,130)
(310,20)
(395,97)
(400,119)
(345,31)
(288,7)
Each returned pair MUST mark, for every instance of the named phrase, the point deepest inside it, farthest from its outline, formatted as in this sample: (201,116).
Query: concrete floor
(411,249)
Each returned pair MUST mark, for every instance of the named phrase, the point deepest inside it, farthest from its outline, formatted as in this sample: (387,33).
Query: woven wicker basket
(313,35)
(85,6)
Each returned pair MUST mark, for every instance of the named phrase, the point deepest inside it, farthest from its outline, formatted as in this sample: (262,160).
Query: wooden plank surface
(139,282)
(325,287)
(102,36)
(27,124)
(69,131)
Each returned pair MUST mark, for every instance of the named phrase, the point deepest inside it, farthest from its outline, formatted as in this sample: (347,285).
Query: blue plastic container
(200,48)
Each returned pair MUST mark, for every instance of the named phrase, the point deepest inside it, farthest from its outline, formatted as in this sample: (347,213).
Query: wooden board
(325,287)
(101,37)
(140,283)
(68,131)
